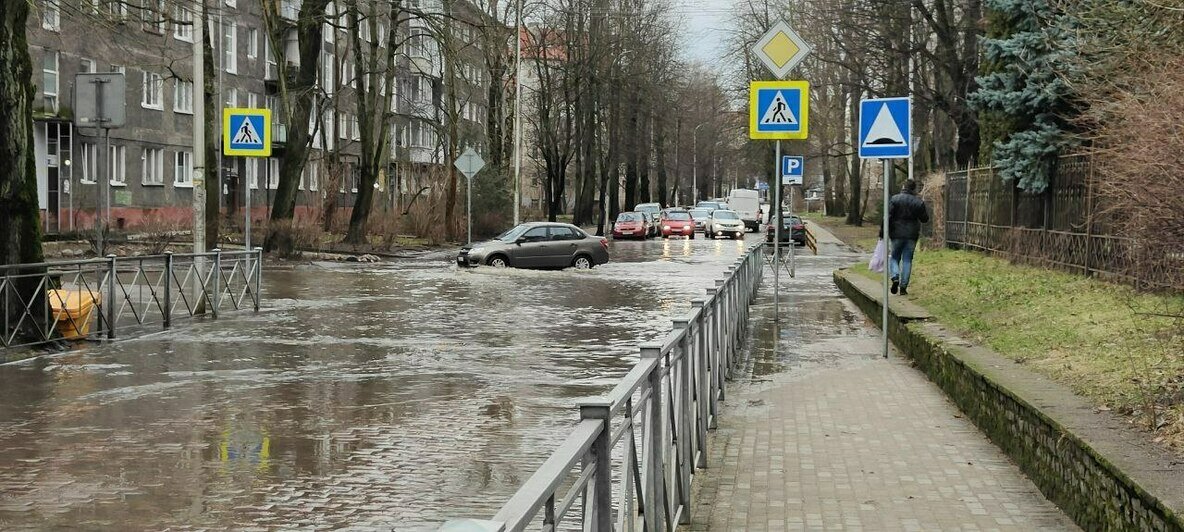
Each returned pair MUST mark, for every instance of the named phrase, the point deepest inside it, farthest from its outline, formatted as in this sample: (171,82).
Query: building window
(88,155)
(342,126)
(152,17)
(328,82)
(231,3)
(230,48)
(88,66)
(272,70)
(183,169)
(117,165)
(273,173)
(183,26)
(118,9)
(357,131)
(119,68)
(152,173)
(49,80)
(252,43)
(252,171)
(51,15)
(183,97)
(313,177)
(232,97)
(152,89)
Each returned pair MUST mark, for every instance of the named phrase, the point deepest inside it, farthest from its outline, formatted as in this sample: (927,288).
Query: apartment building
(150,159)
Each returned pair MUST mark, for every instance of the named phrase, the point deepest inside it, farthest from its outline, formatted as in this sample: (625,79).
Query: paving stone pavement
(820,433)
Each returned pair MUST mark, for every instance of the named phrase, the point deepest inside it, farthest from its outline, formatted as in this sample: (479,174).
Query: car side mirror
(521,240)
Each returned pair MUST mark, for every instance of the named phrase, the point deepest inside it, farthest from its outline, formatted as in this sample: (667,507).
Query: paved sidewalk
(820,432)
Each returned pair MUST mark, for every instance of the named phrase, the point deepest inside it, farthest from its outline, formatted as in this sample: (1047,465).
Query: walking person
(906,213)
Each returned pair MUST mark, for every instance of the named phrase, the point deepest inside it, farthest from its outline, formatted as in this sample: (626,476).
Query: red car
(678,223)
(632,225)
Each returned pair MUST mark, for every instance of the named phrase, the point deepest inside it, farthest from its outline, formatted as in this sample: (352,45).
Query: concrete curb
(1098,471)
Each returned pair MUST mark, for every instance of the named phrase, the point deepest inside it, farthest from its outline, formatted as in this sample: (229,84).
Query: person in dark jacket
(906,213)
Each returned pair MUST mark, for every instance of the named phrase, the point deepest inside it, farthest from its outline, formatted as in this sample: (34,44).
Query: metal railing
(54,301)
(629,463)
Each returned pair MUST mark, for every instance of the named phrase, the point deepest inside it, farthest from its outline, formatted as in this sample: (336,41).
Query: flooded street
(392,395)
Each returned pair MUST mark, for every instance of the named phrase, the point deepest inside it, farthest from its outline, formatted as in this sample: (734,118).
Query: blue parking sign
(793,169)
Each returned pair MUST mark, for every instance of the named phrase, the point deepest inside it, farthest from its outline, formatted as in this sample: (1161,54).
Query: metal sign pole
(887,257)
(247,208)
(470,216)
(777,233)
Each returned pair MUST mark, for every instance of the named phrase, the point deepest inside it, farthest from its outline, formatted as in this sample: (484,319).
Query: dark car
(538,245)
(632,225)
(792,229)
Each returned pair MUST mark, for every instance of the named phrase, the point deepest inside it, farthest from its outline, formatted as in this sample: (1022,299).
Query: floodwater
(391,396)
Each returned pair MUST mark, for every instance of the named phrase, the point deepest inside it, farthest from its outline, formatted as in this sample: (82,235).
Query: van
(748,204)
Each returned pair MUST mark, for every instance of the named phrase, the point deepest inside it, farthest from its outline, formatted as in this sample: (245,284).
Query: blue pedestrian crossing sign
(793,169)
(885,125)
(778,110)
(246,132)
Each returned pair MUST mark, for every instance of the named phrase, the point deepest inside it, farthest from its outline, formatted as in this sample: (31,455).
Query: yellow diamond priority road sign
(781,49)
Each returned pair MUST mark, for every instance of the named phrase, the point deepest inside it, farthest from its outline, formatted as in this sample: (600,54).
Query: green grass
(1108,342)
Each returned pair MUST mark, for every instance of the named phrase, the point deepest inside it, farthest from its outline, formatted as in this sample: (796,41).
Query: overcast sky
(705,24)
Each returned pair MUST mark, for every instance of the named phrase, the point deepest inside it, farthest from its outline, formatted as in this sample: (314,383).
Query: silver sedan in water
(538,245)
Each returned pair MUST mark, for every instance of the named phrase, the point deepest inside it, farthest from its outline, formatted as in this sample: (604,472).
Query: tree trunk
(300,96)
(213,181)
(20,230)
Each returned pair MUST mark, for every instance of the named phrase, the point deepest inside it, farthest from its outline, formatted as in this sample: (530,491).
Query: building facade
(149,161)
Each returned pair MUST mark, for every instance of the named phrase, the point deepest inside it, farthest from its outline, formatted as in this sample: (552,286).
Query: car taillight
(799,226)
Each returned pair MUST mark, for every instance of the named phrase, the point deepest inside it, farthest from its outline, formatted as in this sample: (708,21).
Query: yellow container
(72,309)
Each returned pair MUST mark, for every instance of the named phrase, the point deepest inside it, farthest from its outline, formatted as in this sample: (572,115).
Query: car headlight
(476,250)
(665,227)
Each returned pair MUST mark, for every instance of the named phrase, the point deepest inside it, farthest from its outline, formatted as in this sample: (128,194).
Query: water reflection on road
(392,395)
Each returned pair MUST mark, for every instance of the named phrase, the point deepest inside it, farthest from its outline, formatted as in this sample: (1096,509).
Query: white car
(724,223)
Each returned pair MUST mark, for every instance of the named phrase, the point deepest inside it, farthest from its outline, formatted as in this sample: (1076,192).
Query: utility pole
(518,113)
(695,165)
(199,129)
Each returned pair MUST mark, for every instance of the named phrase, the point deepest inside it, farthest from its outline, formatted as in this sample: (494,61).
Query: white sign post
(469,163)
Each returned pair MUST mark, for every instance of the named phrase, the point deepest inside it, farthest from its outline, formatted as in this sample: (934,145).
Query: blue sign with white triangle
(885,127)
(246,132)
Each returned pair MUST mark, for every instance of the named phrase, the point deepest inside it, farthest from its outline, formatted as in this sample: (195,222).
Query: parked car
(677,223)
(700,217)
(724,223)
(792,229)
(632,225)
(538,245)
(651,208)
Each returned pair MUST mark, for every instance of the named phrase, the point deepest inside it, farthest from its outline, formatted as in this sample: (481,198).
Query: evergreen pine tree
(1023,98)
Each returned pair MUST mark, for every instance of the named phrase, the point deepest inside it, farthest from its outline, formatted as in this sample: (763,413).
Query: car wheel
(499,261)
(582,262)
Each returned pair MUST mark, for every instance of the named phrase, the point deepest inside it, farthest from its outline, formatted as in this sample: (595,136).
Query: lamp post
(695,165)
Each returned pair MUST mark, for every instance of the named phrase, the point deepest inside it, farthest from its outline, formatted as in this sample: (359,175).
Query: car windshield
(648,207)
(678,216)
(706,204)
(513,234)
(629,217)
(699,214)
(726,215)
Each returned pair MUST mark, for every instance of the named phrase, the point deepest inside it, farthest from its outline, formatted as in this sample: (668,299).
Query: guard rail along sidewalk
(629,462)
(53,301)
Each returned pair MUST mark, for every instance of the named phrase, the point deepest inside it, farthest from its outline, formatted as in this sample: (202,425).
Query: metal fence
(629,463)
(1065,227)
(98,298)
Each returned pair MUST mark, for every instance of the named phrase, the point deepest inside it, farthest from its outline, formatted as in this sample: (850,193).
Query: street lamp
(695,166)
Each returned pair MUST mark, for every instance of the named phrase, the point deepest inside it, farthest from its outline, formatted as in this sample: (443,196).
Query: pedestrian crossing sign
(778,110)
(246,132)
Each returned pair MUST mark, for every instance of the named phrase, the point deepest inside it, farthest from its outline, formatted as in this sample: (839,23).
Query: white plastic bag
(879,257)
